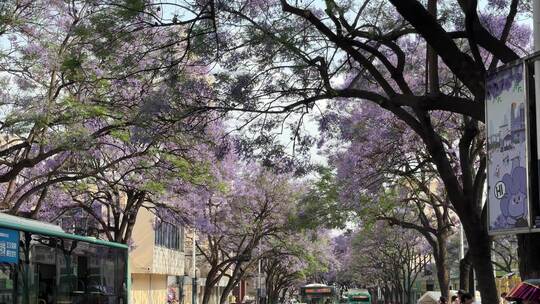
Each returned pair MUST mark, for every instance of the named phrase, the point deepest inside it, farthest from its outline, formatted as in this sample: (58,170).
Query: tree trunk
(236,276)
(443,276)
(273,297)
(209,285)
(399,294)
(386,294)
(226,291)
(528,252)
(272,291)
(441,263)
(472,289)
(464,269)
(480,250)
(283,295)
(207,293)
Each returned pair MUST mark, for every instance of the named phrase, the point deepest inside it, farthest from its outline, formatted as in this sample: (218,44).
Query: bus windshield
(359,298)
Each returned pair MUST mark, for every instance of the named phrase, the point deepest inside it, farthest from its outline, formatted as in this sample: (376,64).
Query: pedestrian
(503,298)
(442,300)
(171,296)
(466,299)
(454,300)
(459,294)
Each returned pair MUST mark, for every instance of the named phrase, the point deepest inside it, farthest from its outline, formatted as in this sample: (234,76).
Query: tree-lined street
(239,150)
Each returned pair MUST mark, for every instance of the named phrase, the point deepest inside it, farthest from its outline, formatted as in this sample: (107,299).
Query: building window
(169,236)
(78,221)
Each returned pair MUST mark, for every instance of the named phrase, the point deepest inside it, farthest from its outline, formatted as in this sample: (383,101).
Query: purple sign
(508,172)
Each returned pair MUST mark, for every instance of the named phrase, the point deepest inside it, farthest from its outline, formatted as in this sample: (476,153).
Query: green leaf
(154,187)
(121,135)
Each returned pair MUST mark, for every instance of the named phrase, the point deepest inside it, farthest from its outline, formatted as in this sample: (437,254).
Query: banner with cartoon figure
(508,156)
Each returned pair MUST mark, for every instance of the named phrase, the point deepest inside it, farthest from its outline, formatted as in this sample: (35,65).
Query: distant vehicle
(358,296)
(319,294)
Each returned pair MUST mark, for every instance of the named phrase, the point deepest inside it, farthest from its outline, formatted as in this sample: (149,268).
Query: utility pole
(193,270)
(259,294)
(461,243)
(536,36)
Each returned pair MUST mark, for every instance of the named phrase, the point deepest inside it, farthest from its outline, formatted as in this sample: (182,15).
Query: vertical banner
(9,246)
(508,151)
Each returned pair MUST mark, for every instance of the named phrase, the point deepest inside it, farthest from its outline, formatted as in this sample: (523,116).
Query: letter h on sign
(500,190)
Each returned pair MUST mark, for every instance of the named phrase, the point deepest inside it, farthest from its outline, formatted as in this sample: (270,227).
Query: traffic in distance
(324,294)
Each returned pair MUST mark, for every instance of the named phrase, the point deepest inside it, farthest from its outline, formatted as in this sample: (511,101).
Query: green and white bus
(41,263)
(359,296)
(319,294)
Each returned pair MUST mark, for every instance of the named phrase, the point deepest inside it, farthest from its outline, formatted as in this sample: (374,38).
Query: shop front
(41,264)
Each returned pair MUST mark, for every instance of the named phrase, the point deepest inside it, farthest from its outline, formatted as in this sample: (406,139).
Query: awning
(528,290)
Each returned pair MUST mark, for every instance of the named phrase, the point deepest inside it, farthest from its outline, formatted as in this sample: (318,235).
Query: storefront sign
(508,153)
(9,246)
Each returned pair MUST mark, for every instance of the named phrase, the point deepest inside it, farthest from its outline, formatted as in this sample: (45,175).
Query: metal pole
(259,281)
(193,271)
(536,24)
(494,257)
(461,243)
(536,36)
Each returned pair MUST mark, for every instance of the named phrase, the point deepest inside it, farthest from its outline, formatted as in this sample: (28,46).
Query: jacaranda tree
(282,57)
(79,75)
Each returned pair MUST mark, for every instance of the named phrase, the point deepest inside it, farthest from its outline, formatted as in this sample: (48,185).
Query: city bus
(41,263)
(319,294)
(359,296)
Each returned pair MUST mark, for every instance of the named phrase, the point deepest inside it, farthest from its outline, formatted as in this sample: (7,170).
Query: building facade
(157,261)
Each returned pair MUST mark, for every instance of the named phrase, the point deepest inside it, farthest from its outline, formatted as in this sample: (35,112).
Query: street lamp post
(259,295)
(259,278)
(193,271)
(461,243)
